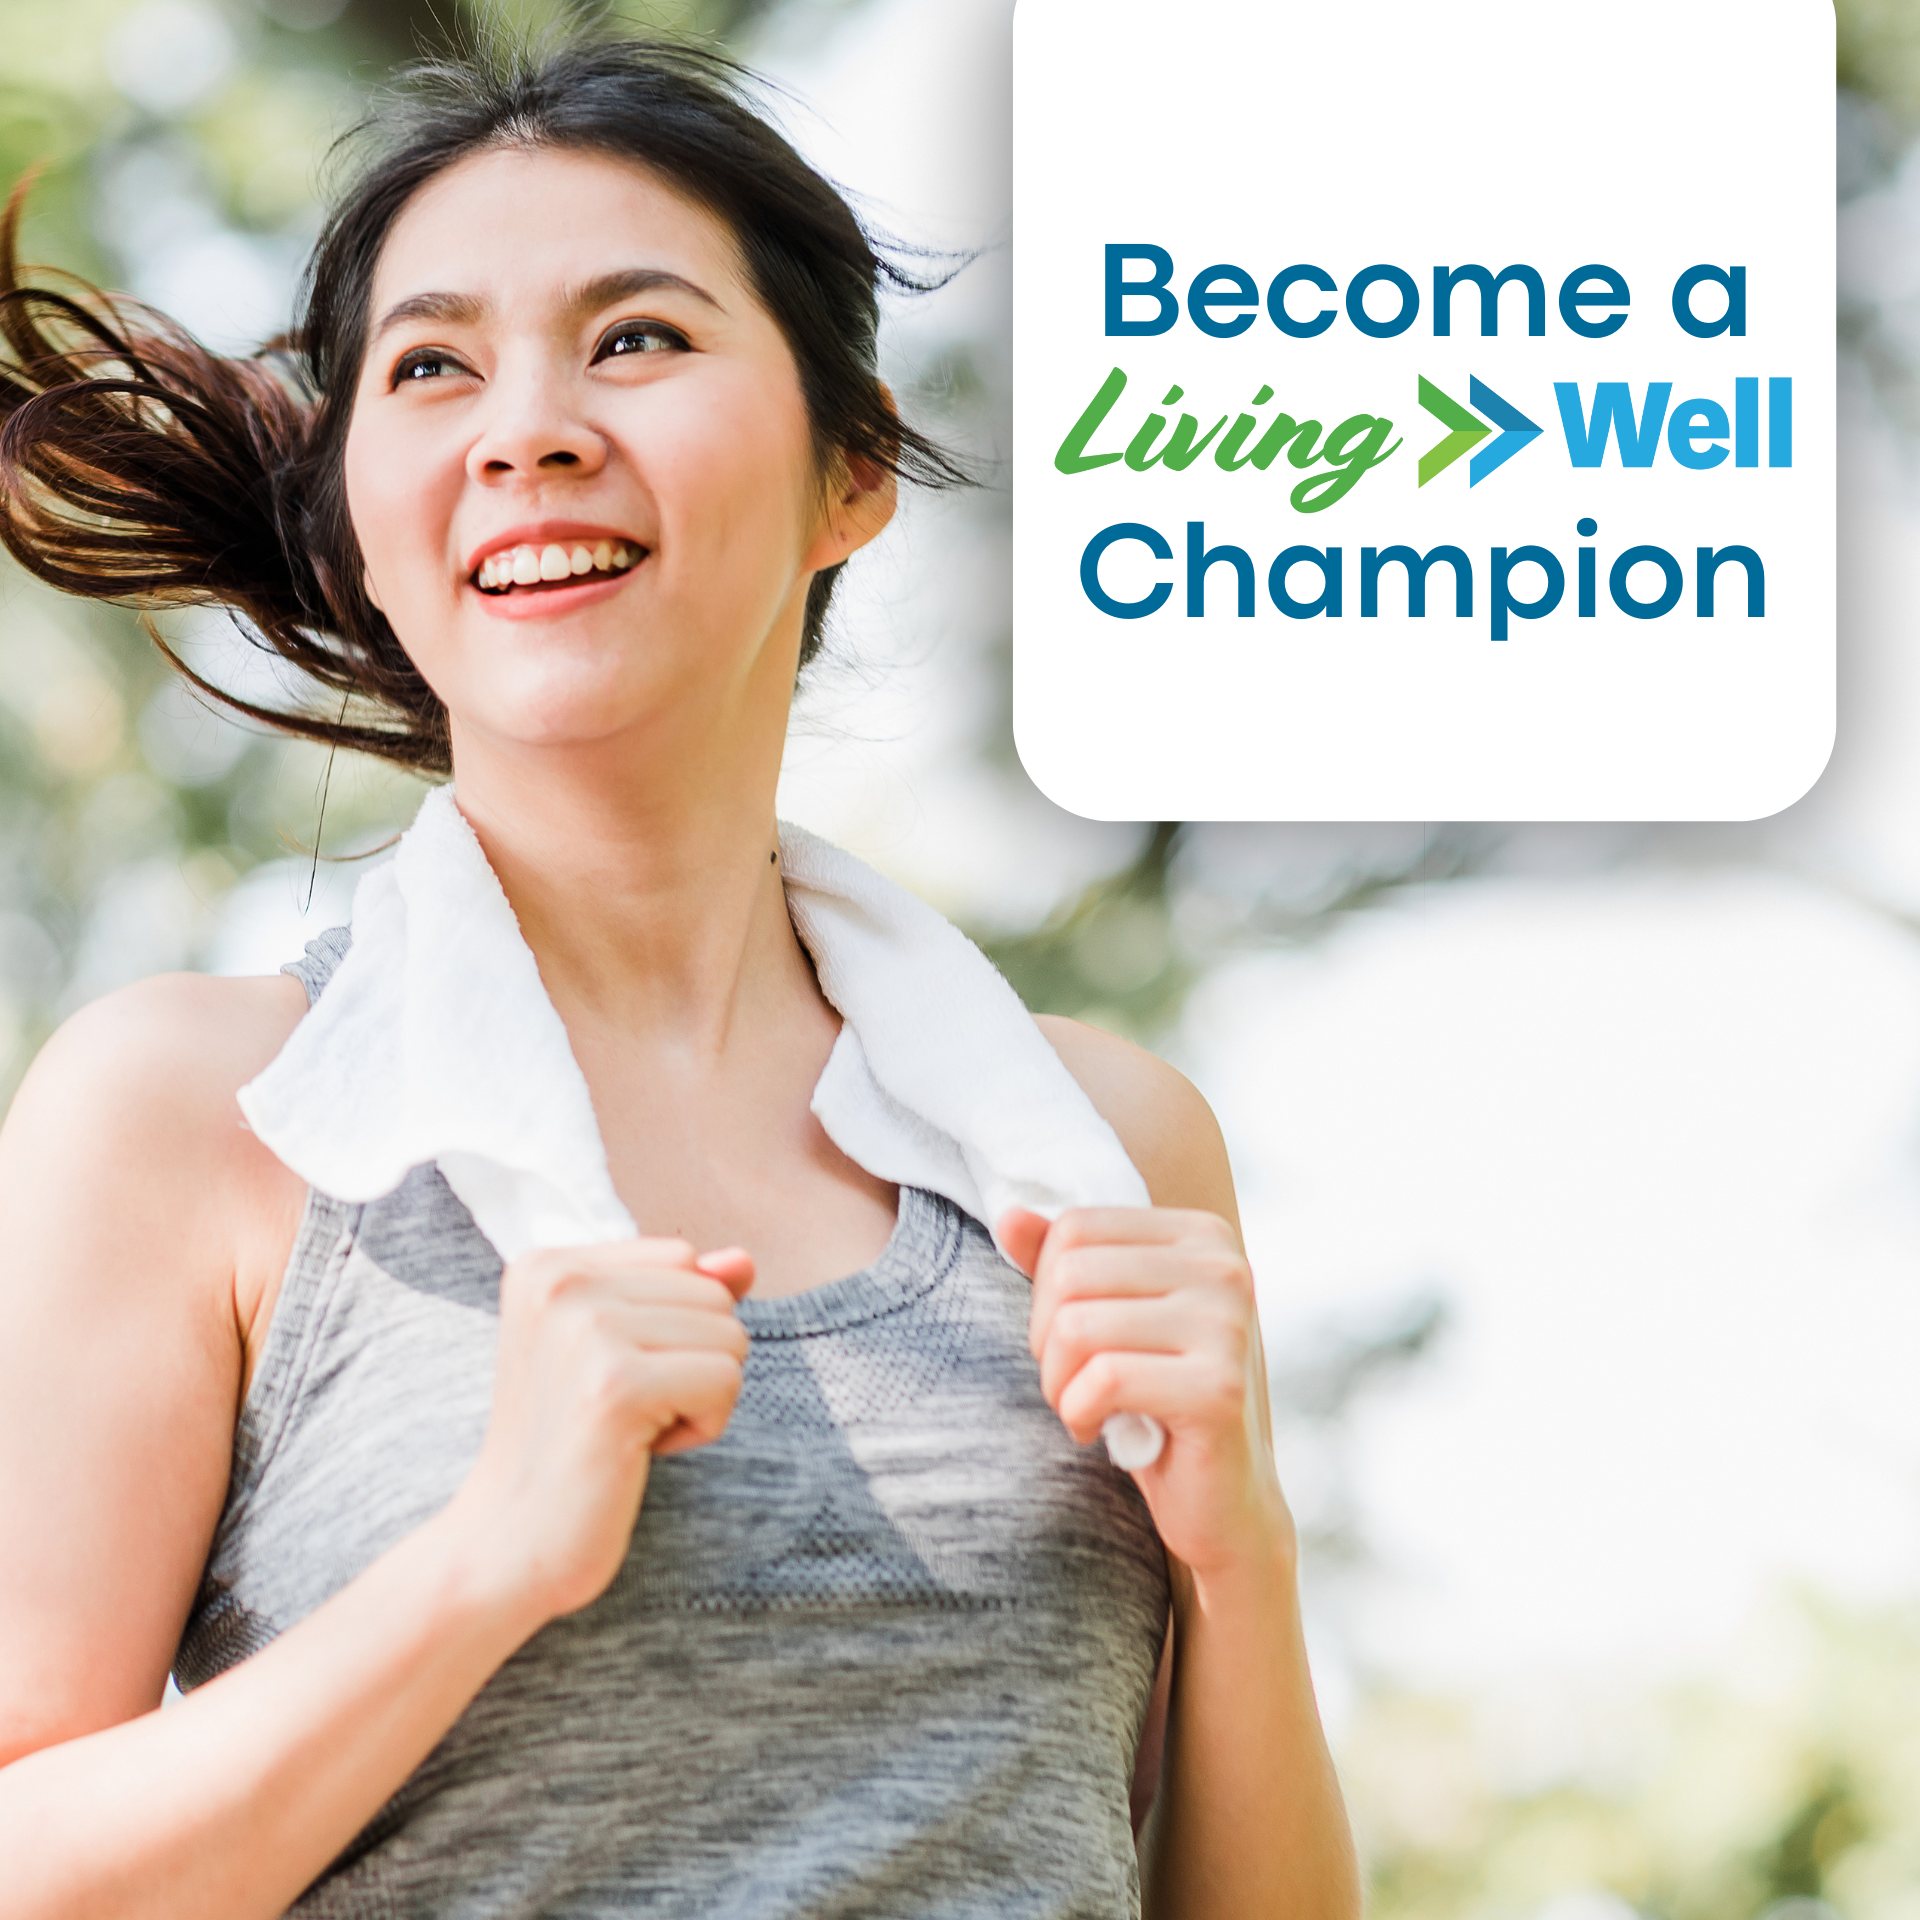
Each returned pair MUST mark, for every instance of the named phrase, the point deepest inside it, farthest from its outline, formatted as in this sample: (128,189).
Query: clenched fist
(1151,1310)
(608,1355)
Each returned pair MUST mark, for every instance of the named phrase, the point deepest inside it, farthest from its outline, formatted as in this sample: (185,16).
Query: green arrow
(1467,431)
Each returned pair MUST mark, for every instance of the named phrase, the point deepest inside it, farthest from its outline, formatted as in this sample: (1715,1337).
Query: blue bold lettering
(1607,289)
(1120,289)
(1200,557)
(1090,571)
(1287,278)
(1396,277)
(1694,421)
(1445,279)
(1373,559)
(1779,423)
(1503,601)
(1612,413)
(1709,560)
(1746,423)
(1202,299)
(1645,609)
(1331,570)
(1734,320)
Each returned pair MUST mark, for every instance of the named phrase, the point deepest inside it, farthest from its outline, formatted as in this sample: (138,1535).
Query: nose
(533,430)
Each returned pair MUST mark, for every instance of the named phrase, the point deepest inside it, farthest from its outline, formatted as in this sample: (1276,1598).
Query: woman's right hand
(608,1355)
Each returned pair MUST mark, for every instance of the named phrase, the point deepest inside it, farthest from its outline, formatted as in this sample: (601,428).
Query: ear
(861,497)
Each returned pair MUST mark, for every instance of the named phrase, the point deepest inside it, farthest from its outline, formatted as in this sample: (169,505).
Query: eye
(425,363)
(640,336)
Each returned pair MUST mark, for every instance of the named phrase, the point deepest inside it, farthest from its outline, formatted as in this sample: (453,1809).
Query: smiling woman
(513,1559)
(664,390)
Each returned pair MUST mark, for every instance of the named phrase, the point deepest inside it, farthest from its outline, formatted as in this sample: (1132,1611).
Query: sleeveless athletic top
(884,1649)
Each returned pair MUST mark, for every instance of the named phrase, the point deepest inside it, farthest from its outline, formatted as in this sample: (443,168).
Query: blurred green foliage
(121,168)
(1795,1781)
(1879,52)
(127,815)
(127,820)
(1126,950)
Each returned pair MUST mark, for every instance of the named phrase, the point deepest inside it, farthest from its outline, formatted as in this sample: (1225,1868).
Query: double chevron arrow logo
(1516,431)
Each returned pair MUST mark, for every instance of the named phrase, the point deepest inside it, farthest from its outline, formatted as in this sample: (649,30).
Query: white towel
(435,1041)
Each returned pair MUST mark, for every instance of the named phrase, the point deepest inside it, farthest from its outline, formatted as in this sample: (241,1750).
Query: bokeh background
(1581,1165)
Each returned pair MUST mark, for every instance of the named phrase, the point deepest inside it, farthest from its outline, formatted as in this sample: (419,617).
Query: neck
(644,881)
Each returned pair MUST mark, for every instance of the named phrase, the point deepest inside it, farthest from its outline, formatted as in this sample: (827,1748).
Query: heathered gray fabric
(884,1649)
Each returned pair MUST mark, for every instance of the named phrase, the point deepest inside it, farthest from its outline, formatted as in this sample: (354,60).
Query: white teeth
(526,565)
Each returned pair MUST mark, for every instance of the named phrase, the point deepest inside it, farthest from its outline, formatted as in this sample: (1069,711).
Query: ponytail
(138,467)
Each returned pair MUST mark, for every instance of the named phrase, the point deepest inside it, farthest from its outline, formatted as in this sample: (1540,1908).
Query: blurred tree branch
(1125,951)
(1879,52)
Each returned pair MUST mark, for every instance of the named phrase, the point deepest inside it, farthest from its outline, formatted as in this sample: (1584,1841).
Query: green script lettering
(1352,448)
(1303,433)
(1228,454)
(1073,456)
(1181,450)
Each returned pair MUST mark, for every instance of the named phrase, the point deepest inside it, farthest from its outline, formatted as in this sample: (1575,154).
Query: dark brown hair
(137,466)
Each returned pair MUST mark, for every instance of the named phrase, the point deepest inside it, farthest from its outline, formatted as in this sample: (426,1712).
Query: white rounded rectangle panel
(1424,409)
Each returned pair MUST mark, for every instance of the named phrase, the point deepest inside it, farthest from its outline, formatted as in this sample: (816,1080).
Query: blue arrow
(1517,430)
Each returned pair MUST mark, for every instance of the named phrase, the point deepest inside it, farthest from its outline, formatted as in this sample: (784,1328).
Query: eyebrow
(465,309)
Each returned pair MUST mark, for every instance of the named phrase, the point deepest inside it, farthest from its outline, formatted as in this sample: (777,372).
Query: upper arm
(125,1178)
(1170,1134)
(1168,1130)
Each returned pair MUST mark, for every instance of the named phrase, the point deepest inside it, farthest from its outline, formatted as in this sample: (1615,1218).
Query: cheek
(394,505)
(371,504)
(736,474)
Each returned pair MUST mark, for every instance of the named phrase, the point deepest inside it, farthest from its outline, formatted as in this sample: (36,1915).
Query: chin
(584,704)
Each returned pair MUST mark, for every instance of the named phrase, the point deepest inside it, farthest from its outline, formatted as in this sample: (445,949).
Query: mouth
(533,568)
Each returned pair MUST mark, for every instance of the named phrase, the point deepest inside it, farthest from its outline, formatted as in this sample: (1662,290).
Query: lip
(540,533)
(555,600)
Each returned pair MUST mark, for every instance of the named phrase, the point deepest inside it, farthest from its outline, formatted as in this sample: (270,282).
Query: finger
(645,1250)
(551,1265)
(1084,1328)
(678,1438)
(1178,1390)
(658,1287)
(1122,1273)
(529,1296)
(732,1267)
(691,1394)
(652,1328)
(1022,1233)
(1137,1226)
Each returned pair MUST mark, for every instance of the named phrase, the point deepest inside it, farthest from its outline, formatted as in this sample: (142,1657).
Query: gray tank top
(884,1649)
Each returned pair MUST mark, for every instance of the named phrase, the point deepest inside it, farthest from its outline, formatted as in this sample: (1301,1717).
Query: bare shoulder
(184,1041)
(1165,1125)
(136,1208)
(126,1134)
(132,1102)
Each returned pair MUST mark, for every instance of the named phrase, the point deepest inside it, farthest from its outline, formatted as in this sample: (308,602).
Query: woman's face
(579,464)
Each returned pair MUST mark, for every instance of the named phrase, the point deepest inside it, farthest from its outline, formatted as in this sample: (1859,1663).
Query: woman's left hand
(1151,1310)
